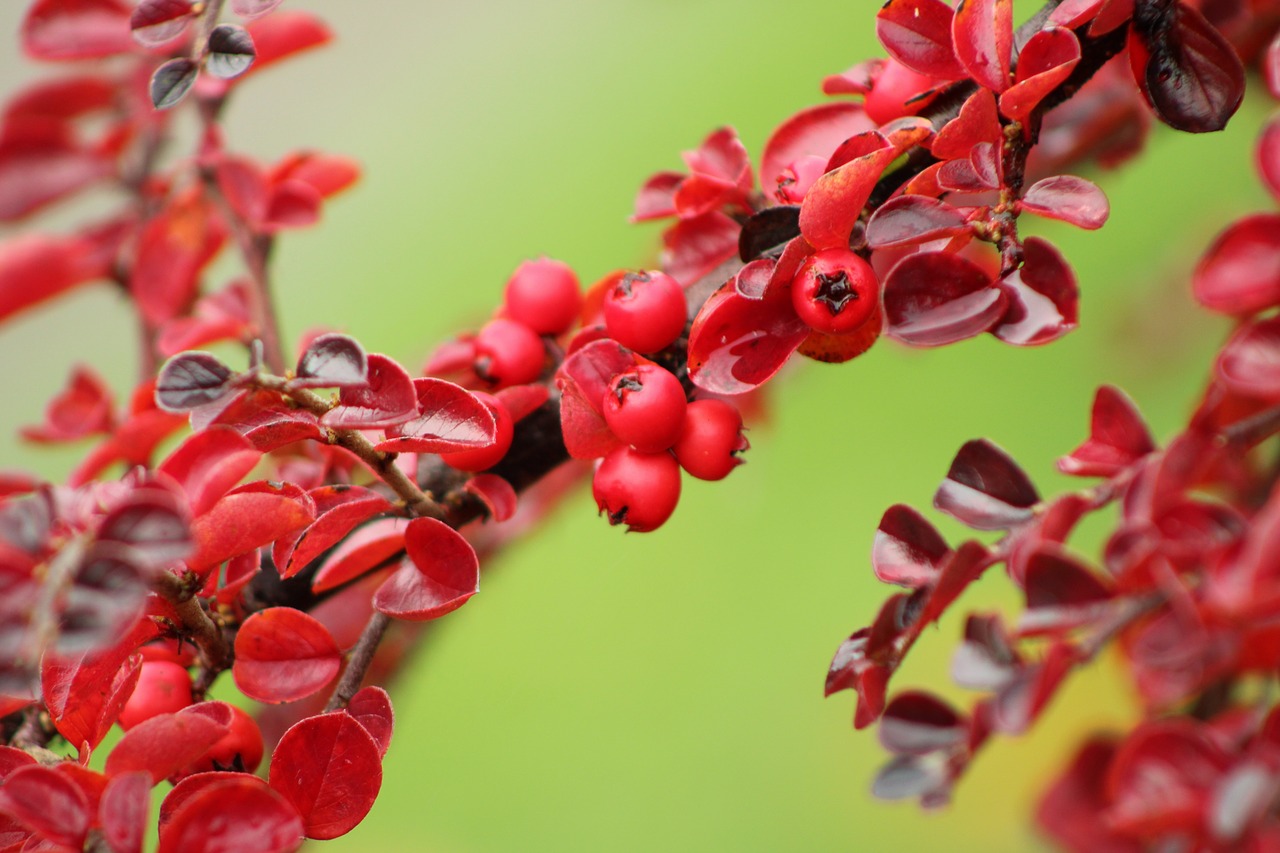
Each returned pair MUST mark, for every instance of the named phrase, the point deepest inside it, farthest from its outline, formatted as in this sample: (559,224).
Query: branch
(361,657)
(215,651)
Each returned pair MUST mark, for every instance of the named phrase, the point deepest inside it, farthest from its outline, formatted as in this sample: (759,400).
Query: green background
(664,691)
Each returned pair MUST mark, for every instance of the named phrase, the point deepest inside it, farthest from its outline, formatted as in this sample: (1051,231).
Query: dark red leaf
(123,811)
(498,496)
(907,550)
(76,29)
(583,379)
(332,361)
(172,81)
(1061,592)
(262,819)
(440,574)
(48,803)
(83,408)
(736,344)
(976,122)
(1069,199)
(340,509)
(1046,60)
(1240,273)
(986,660)
(36,267)
(917,33)
(1189,73)
(1268,156)
(155,22)
(105,598)
(368,547)
(329,768)
(449,418)
(694,247)
(173,248)
(164,744)
(1118,437)
(210,463)
(1043,299)
(245,520)
(389,398)
(812,132)
(371,707)
(835,201)
(986,489)
(982,31)
(911,219)
(1069,810)
(231,51)
(916,723)
(1159,776)
(263,418)
(1019,702)
(1247,363)
(283,655)
(937,298)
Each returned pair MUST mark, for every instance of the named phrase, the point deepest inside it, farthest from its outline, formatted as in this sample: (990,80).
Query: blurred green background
(612,692)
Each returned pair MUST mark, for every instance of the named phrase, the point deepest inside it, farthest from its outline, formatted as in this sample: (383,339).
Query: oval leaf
(912,219)
(440,574)
(172,81)
(332,361)
(907,549)
(937,298)
(917,33)
(191,379)
(329,768)
(283,655)
(1069,199)
(916,723)
(449,418)
(387,399)
(1043,298)
(982,32)
(262,819)
(371,707)
(1240,273)
(736,344)
(986,489)
(231,51)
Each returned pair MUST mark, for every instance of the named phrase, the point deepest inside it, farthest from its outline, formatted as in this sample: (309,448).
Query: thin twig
(361,658)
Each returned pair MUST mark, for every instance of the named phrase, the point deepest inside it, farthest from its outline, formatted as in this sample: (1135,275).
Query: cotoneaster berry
(543,294)
(509,353)
(835,291)
(483,458)
(710,439)
(163,687)
(645,407)
(645,311)
(637,489)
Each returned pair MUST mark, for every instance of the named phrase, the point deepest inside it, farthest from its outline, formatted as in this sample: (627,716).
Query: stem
(1253,429)
(208,637)
(361,658)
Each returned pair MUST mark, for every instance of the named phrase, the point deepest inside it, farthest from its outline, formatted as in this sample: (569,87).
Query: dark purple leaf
(1061,592)
(231,51)
(191,379)
(907,550)
(911,219)
(106,597)
(936,298)
(1192,77)
(171,82)
(986,489)
(1043,299)
(332,361)
(915,723)
(985,660)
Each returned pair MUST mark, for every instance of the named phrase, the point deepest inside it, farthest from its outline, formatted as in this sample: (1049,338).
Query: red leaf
(983,35)
(243,184)
(1268,154)
(48,803)
(83,408)
(916,723)
(1117,437)
(369,546)
(912,219)
(1043,299)
(834,202)
(1247,363)
(251,9)
(441,573)
(917,33)
(656,198)
(11,758)
(498,496)
(329,768)
(371,707)
(1069,199)
(907,549)
(164,744)
(263,418)
(1046,60)
(76,29)
(736,344)
(388,399)
(1159,775)
(937,298)
(977,122)
(1062,593)
(340,509)
(327,174)
(123,811)
(523,400)
(292,204)
(35,267)
(449,418)
(243,521)
(283,655)
(583,380)
(41,162)
(173,248)
(814,131)
(986,489)
(209,463)
(694,247)
(1240,273)
(84,697)
(263,820)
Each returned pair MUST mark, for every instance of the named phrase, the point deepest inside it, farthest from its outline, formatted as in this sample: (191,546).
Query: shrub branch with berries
(270,522)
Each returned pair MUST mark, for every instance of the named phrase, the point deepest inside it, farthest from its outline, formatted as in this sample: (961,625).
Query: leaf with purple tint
(231,51)
(986,660)
(985,489)
(389,398)
(450,418)
(736,344)
(191,379)
(1061,591)
(332,361)
(1043,299)
(936,298)
(916,723)
(1189,73)
(172,81)
(1069,199)
(1118,437)
(912,219)
(907,549)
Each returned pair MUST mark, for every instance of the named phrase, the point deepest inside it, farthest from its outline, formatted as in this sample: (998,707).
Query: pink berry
(163,687)
(544,295)
(710,439)
(645,407)
(835,291)
(645,311)
(637,489)
(509,353)
(484,458)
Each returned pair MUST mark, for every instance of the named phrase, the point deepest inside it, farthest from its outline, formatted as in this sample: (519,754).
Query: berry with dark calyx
(835,291)
(710,439)
(240,749)
(544,295)
(645,311)
(637,489)
(509,353)
(645,407)
(163,687)
(484,458)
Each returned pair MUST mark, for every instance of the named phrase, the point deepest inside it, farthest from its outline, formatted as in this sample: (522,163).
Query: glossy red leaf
(283,655)
(812,132)
(976,122)
(986,489)
(835,201)
(916,723)
(1073,13)
(329,768)
(48,803)
(264,820)
(123,811)
(912,219)
(1061,592)
(736,344)
(219,316)
(907,549)
(81,409)
(937,298)
(583,379)
(368,547)
(1118,437)
(155,22)
(1043,298)
(1069,199)
(982,31)
(497,495)
(332,361)
(1247,363)
(339,510)
(36,267)
(917,33)
(85,695)
(76,29)
(694,247)
(164,744)
(243,521)
(210,463)
(250,9)
(449,418)
(371,708)
(1047,59)
(263,418)
(1188,71)
(389,398)
(1240,273)
(440,574)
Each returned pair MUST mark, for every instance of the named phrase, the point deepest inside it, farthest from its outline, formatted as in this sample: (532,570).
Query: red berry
(637,489)
(710,440)
(835,291)
(239,749)
(544,295)
(163,687)
(484,458)
(645,311)
(509,353)
(645,407)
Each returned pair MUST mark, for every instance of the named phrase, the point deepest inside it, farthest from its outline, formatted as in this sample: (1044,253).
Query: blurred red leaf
(164,744)
(81,409)
(1118,437)
(814,131)
(369,546)
(907,549)
(264,819)
(1240,272)
(76,29)
(48,803)
(916,723)
(498,496)
(209,463)
(123,809)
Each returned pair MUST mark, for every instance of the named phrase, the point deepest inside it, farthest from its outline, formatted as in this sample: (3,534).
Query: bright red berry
(645,311)
(484,458)
(509,353)
(835,291)
(163,687)
(710,439)
(645,407)
(544,295)
(637,489)
(239,749)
